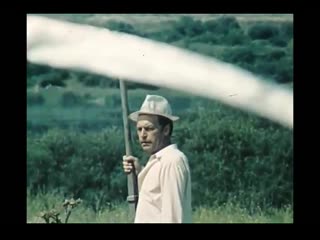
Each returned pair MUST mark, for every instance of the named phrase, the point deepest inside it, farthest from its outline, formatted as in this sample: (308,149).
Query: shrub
(69,99)
(120,26)
(78,164)
(222,25)
(187,26)
(35,99)
(233,156)
(263,31)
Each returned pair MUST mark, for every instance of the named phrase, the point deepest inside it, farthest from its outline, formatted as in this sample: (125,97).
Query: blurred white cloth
(101,51)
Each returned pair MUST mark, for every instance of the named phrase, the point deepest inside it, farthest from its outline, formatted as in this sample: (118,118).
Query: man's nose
(143,133)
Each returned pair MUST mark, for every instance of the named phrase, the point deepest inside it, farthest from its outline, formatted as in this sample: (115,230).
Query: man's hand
(130,162)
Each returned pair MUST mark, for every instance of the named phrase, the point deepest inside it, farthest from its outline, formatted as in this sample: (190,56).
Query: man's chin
(147,148)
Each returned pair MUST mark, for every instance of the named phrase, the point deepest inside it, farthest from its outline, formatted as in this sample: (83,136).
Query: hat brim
(134,116)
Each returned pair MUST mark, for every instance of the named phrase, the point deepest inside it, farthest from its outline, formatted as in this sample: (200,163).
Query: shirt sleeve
(173,180)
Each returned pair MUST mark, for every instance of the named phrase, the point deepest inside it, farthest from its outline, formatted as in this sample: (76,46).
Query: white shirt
(165,188)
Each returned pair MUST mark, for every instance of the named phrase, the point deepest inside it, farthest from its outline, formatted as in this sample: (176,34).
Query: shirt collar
(163,151)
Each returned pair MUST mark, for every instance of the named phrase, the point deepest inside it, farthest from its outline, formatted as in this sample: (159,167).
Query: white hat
(154,105)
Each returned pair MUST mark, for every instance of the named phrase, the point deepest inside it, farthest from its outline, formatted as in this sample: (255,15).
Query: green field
(119,213)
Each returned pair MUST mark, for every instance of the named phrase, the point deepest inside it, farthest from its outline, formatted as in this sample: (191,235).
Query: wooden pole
(132,177)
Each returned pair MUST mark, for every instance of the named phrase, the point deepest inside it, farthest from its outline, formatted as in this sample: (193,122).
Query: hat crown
(156,104)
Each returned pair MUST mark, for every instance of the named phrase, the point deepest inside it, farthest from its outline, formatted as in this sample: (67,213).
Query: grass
(227,213)
(230,213)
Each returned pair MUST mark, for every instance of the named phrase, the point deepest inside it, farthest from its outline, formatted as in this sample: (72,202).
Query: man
(164,183)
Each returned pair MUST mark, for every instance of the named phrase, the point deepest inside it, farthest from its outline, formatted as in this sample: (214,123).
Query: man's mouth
(145,144)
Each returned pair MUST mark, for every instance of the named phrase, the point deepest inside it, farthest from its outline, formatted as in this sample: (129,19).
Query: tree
(54,78)
(263,31)
(36,69)
(187,26)
(222,25)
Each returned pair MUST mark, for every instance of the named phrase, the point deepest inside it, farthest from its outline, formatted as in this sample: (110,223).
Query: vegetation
(255,45)
(118,213)
(233,156)
(241,165)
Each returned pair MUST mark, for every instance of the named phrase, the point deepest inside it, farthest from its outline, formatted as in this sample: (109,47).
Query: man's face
(150,133)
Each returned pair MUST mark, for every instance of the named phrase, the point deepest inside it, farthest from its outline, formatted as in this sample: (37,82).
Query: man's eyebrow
(145,126)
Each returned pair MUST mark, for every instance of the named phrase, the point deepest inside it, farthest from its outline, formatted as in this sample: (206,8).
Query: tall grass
(119,213)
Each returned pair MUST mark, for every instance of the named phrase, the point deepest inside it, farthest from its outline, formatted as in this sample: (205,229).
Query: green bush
(95,80)
(70,99)
(266,69)
(243,54)
(222,25)
(235,37)
(286,30)
(233,156)
(187,26)
(207,37)
(279,41)
(120,26)
(52,82)
(84,165)
(263,31)
(36,69)
(45,75)
(238,156)
(224,30)
(285,70)
(35,99)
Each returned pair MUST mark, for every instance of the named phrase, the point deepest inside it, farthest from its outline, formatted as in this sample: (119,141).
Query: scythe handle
(132,177)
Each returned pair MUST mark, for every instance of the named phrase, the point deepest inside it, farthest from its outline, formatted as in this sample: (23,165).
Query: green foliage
(119,213)
(263,31)
(233,157)
(273,63)
(243,54)
(285,70)
(45,75)
(131,85)
(285,34)
(225,30)
(53,82)
(187,26)
(95,80)
(70,99)
(235,37)
(120,26)
(207,37)
(35,99)
(84,165)
(86,117)
(278,41)
(222,25)
(35,69)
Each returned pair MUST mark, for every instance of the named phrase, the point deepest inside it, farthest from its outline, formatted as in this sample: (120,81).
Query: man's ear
(166,130)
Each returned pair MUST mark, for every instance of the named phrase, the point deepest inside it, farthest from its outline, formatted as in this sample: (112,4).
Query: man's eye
(139,129)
